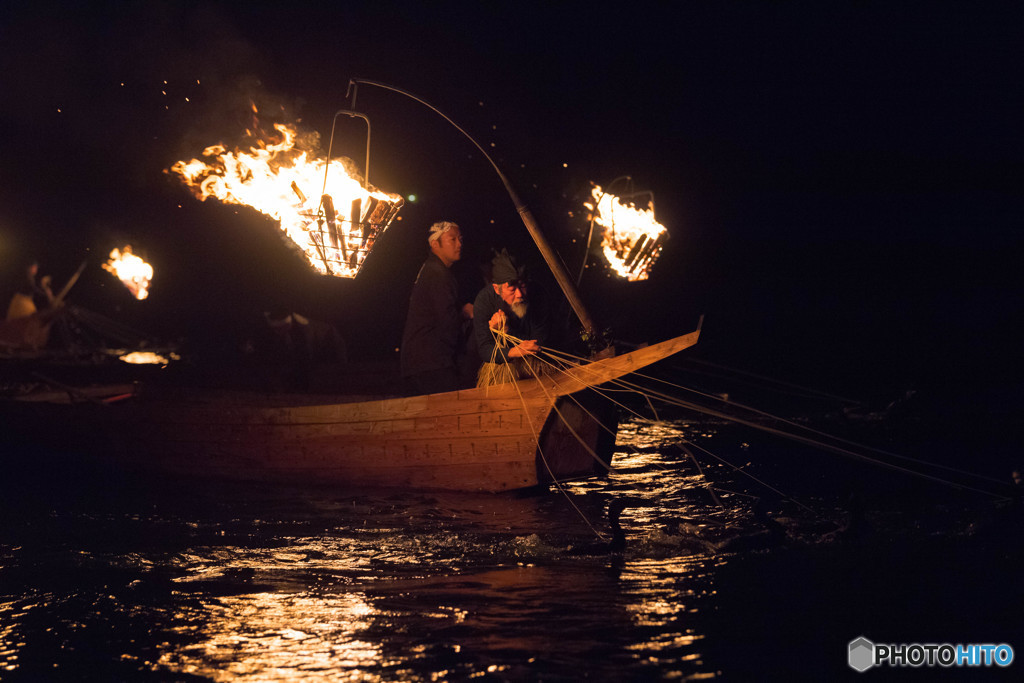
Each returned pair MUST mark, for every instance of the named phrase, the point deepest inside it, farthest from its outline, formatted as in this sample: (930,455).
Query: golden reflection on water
(10,642)
(440,587)
(279,637)
(284,586)
(351,636)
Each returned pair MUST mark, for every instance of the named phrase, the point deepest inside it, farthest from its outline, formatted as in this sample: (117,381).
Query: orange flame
(334,230)
(131,270)
(632,238)
(148,358)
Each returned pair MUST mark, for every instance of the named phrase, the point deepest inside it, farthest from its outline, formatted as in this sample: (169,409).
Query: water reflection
(11,642)
(503,620)
(276,636)
(267,584)
(438,586)
(135,581)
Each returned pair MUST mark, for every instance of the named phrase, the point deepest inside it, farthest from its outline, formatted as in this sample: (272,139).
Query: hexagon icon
(862,654)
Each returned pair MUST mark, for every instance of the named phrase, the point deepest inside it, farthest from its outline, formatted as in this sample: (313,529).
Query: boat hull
(492,439)
(439,441)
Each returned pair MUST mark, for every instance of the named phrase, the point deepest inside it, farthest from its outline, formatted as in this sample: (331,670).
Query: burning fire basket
(632,239)
(336,233)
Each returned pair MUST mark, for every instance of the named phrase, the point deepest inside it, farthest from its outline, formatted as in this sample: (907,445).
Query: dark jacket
(533,326)
(431,337)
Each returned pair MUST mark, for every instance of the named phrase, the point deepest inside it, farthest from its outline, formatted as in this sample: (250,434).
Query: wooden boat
(29,333)
(495,438)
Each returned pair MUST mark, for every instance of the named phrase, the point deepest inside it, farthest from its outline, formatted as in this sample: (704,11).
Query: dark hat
(504,268)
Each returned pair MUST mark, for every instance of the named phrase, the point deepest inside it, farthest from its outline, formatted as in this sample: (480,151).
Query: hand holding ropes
(525,347)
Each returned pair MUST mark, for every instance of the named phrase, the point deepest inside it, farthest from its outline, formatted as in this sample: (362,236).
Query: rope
(557,361)
(836,449)
(794,389)
(559,367)
(710,488)
(739,470)
(501,336)
(684,404)
(796,425)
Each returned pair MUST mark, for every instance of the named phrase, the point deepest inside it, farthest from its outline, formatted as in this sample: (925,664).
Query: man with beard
(433,325)
(509,332)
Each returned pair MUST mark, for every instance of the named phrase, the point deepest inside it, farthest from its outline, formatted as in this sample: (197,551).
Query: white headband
(438,229)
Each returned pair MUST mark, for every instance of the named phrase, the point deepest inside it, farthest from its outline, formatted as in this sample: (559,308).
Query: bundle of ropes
(655,392)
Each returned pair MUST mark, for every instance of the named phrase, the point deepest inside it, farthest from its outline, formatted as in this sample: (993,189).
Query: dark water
(111,578)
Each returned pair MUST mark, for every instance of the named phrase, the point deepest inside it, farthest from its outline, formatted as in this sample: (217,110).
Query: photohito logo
(863,654)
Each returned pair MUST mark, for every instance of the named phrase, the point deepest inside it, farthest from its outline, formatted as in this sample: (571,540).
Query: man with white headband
(433,325)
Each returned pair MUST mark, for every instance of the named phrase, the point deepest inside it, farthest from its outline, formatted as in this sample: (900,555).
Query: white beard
(519,309)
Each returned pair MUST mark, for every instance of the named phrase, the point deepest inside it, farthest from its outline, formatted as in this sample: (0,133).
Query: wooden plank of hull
(478,439)
(578,440)
(495,466)
(438,441)
(449,418)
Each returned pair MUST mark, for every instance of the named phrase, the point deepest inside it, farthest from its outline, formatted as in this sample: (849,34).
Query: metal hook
(330,146)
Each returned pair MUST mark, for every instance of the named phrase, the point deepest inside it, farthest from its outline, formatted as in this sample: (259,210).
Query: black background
(841,181)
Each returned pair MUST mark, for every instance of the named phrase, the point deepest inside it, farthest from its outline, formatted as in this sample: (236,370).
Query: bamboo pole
(67,287)
(550,257)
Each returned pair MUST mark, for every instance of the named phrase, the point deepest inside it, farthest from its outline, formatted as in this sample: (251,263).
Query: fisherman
(509,329)
(431,341)
(32,311)
(31,294)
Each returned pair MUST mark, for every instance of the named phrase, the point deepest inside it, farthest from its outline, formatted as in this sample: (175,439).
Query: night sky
(842,181)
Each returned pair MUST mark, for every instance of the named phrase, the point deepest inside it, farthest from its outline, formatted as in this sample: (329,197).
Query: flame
(148,358)
(334,230)
(131,270)
(632,238)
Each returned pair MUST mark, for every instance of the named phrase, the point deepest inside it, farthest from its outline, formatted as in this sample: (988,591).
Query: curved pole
(330,146)
(524,213)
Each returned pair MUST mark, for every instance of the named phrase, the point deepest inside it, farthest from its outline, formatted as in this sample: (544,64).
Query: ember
(335,229)
(632,238)
(131,270)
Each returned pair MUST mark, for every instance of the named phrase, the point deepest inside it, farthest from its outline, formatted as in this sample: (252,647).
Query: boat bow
(578,378)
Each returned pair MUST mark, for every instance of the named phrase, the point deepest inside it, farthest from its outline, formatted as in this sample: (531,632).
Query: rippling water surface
(106,577)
